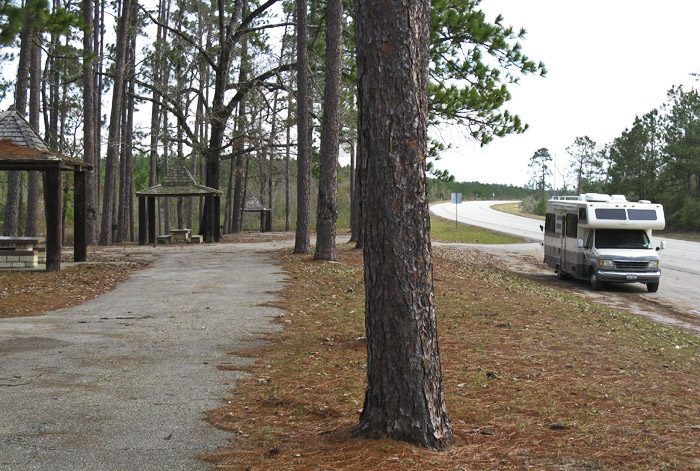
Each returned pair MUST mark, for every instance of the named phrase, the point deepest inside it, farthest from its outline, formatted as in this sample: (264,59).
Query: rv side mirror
(579,243)
(662,245)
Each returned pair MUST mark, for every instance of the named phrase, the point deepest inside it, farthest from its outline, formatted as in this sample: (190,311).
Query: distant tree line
(439,190)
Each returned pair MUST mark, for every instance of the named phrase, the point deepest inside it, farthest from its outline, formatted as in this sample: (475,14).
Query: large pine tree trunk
(114,126)
(302,241)
(242,129)
(89,122)
(166,169)
(125,175)
(353,196)
(31,227)
(287,196)
(404,396)
(356,216)
(327,209)
(12,203)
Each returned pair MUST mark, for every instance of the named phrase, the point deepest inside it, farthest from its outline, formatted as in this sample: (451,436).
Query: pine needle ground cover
(534,379)
(32,293)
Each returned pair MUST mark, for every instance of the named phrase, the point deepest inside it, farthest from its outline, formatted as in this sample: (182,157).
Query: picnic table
(180,235)
(21,252)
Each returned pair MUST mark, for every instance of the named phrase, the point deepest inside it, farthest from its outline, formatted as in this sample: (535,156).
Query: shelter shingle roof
(21,148)
(15,128)
(178,182)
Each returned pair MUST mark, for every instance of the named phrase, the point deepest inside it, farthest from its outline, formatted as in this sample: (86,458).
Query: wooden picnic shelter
(21,148)
(178,182)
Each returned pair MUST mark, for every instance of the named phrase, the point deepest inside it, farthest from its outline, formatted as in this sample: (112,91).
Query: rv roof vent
(620,198)
(597,197)
(644,202)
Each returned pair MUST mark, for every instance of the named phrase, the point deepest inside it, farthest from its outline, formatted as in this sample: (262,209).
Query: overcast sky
(607,60)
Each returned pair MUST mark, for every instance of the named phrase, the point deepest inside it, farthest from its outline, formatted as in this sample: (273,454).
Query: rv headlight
(655,264)
(605,263)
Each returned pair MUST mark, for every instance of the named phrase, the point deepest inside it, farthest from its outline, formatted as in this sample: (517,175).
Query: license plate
(631,277)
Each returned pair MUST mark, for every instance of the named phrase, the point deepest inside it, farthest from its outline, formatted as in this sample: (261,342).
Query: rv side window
(550,223)
(582,215)
(571,225)
(617,214)
(641,214)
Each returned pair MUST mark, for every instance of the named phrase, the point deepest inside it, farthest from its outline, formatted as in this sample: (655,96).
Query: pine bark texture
(404,397)
(327,208)
(302,241)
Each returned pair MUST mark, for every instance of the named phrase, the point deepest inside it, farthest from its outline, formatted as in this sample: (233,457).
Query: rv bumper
(627,277)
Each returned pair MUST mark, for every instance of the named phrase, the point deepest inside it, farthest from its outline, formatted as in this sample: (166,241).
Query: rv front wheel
(653,287)
(596,284)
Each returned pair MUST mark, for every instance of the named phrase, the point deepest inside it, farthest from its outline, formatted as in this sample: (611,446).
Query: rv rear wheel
(560,274)
(596,284)
(653,287)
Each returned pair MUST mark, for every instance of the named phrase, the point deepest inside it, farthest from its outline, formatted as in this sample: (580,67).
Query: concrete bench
(21,252)
(196,239)
(163,239)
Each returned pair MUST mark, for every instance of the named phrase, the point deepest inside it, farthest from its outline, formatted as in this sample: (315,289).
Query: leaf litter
(534,379)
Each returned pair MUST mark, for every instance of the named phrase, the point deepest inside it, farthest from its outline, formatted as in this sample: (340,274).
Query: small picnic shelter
(178,182)
(21,148)
(254,206)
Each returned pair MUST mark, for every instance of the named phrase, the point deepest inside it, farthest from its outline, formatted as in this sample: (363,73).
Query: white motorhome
(603,238)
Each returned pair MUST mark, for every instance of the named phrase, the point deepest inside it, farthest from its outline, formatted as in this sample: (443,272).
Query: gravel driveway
(121,382)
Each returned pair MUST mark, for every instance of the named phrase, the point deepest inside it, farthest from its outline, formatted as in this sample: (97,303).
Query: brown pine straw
(534,379)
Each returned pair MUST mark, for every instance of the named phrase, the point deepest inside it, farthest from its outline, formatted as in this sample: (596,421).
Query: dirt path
(121,382)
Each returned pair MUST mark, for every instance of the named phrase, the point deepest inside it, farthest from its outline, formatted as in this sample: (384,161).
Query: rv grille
(631,266)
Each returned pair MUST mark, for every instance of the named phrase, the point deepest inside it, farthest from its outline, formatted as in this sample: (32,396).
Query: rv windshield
(621,239)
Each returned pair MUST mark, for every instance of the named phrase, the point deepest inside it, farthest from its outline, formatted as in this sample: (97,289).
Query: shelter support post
(80,242)
(53,202)
(209,220)
(151,205)
(143,224)
(215,218)
(266,220)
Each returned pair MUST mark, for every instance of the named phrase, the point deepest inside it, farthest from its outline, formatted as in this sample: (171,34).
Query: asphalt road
(680,261)
(121,382)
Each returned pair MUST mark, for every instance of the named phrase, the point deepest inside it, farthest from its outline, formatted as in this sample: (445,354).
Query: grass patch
(443,230)
(516,209)
(671,234)
(534,379)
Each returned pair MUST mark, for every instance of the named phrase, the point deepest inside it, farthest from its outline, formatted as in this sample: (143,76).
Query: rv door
(562,239)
